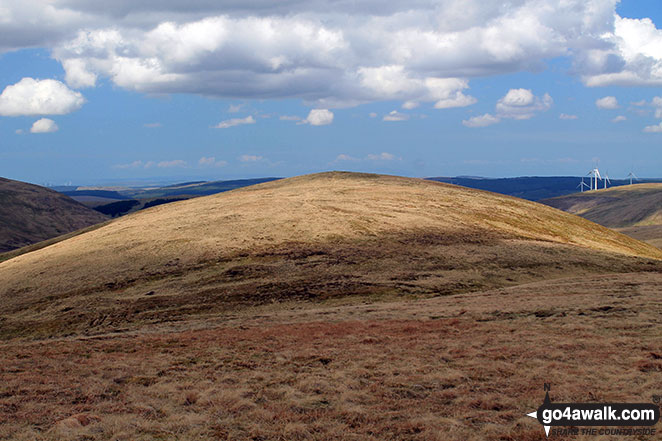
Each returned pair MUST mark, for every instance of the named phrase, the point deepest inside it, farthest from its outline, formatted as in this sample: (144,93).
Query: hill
(30,213)
(635,210)
(330,237)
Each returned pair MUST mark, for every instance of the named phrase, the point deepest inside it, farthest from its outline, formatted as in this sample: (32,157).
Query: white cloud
(323,52)
(607,102)
(134,164)
(44,125)
(657,104)
(319,117)
(567,117)
(481,121)
(76,74)
(155,125)
(250,158)
(653,129)
(344,157)
(19,131)
(314,50)
(234,122)
(619,118)
(522,104)
(171,164)
(234,108)
(372,115)
(211,162)
(408,105)
(39,97)
(632,55)
(395,116)
(384,156)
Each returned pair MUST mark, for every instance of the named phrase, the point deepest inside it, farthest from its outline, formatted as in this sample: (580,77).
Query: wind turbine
(632,175)
(606,179)
(595,173)
(582,185)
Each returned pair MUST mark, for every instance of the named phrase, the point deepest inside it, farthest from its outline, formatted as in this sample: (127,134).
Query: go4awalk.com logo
(583,418)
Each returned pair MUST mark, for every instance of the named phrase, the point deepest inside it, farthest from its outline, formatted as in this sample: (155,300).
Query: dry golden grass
(463,367)
(312,237)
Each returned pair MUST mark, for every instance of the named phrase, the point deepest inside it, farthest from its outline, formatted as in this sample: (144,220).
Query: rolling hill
(635,210)
(332,237)
(30,213)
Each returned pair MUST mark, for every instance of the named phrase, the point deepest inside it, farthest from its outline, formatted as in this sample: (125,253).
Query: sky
(146,91)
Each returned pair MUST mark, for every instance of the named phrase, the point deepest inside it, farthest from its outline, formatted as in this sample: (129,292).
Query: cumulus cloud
(211,162)
(331,53)
(608,102)
(171,164)
(653,129)
(619,118)
(481,121)
(39,97)
(657,104)
(522,104)
(395,116)
(234,122)
(44,125)
(134,164)
(342,53)
(632,55)
(384,156)
(319,117)
(344,157)
(250,158)
(567,117)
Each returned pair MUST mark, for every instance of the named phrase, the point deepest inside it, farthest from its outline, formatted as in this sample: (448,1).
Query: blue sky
(193,90)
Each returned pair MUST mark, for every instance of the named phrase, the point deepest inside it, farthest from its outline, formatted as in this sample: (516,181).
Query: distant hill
(329,236)
(192,189)
(30,213)
(121,201)
(635,210)
(532,188)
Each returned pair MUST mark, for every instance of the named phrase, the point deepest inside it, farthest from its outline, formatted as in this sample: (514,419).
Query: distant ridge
(30,213)
(532,188)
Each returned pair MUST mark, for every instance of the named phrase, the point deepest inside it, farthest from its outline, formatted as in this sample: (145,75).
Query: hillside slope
(318,237)
(635,210)
(30,213)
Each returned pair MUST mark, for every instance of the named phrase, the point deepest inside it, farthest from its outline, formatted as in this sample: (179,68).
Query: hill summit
(328,236)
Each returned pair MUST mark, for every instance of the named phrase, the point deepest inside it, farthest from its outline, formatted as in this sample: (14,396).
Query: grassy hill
(30,213)
(325,237)
(635,210)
